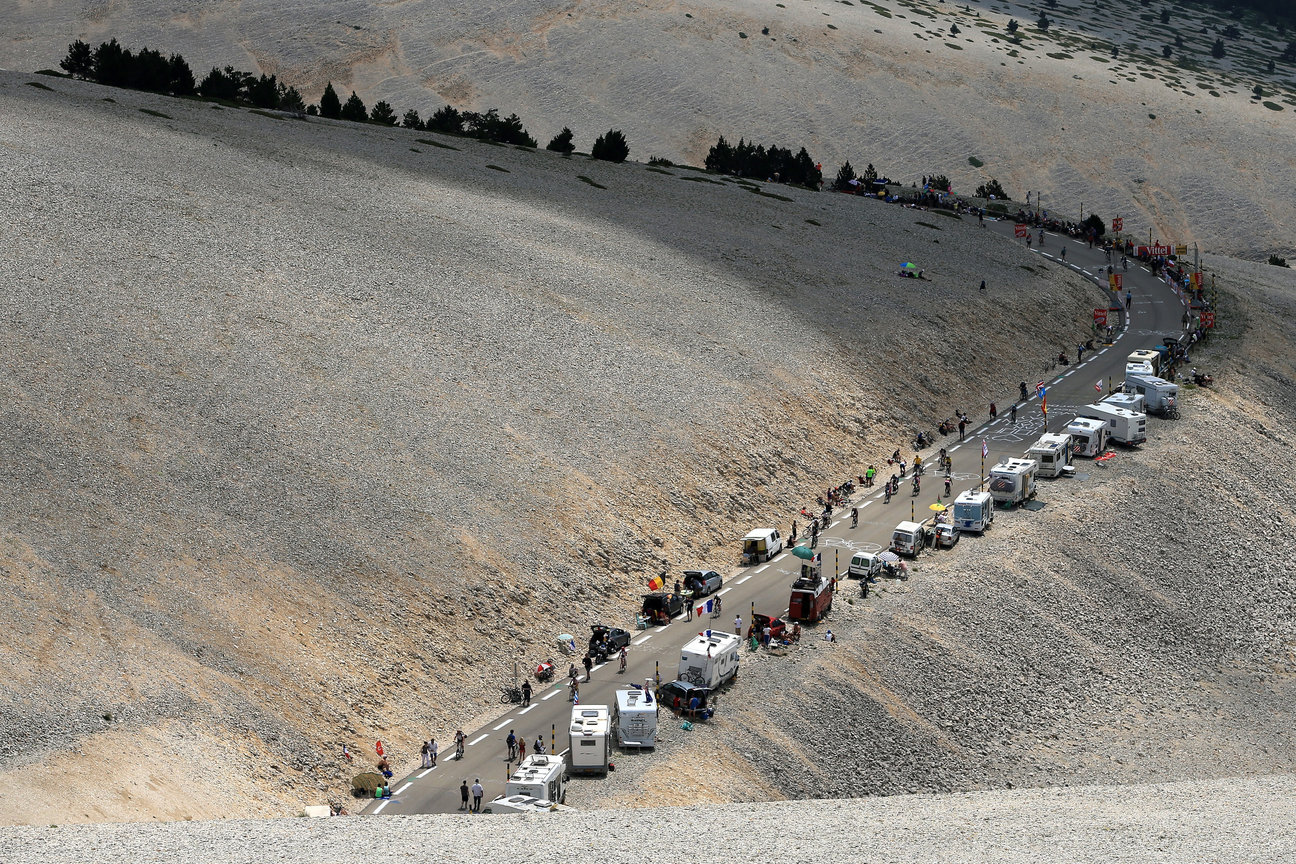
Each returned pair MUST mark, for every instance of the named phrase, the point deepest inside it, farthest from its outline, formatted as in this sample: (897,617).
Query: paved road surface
(1156,312)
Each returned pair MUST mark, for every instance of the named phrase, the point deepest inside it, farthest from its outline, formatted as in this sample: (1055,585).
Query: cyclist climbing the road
(947,485)
(854,517)
(623,658)
(459,744)
(917,484)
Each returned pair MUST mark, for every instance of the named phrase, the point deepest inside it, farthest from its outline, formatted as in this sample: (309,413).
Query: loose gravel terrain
(310,430)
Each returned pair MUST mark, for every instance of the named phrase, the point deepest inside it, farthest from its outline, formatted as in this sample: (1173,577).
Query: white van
(1159,395)
(589,739)
(634,717)
(1128,401)
(710,659)
(1148,356)
(864,565)
(761,545)
(1013,481)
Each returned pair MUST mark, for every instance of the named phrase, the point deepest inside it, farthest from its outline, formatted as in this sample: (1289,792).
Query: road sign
(1207,319)
(1100,317)
(1118,224)
(1020,230)
(1181,249)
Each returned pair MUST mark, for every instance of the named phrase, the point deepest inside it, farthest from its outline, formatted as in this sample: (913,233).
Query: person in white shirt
(477,793)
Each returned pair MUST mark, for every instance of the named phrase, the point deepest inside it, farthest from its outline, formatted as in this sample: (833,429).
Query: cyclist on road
(459,744)
(854,516)
(623,658)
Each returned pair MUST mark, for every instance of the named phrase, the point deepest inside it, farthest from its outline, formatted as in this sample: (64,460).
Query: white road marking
(598,667)
(955,447)
(865,504)
(530,707)
(724,591)
(478,739)
(424,774)
(380,807)
(744,579)
(835,524)
(1065,374)
(549,696)
(501,726)
(1103,351)
(402,789)
(642,639)
(762,568)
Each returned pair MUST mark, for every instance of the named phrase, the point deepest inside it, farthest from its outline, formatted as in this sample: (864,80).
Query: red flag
(1098,386)
(656,583)
(378,747)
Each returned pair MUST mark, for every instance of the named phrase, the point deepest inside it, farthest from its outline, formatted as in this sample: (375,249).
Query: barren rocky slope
(1088,112)
(309,430)
(1236,821)
(1140,628)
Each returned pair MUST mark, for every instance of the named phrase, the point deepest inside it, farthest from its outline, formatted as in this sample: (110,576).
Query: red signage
(1100,317)
(378,747)
(1020,230)
(1115,281)
(1159,249)
(1118,224)
(1195,279)
(1207,319)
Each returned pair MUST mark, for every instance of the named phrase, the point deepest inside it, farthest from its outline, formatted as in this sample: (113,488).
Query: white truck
(710,659)
(1088,436)
(634,717)
(1013,481)
(1053,453)
(1159,395)
(909,538)
(973,511)
(589,739)
(542,778)
(1125,427)
(864,565)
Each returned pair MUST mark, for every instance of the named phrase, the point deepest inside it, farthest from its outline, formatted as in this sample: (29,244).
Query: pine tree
(354,109)
(329,105)
(447,120)
(382,113)
(562,142)
(1217,50)
(180,79)
(79,62)
(411,120)
(611,147)
(845,174)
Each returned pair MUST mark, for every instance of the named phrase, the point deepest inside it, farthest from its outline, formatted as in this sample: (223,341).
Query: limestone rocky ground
(309,431)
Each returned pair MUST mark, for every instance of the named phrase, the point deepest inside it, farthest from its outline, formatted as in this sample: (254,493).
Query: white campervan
(1052,452)
(1126,427)
(710,659)
(973,511)
(634,717)
(589,739)
(1088,436)
(540,777)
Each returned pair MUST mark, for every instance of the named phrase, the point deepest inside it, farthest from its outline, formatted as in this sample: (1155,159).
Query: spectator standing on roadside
(962,426)
(427,757)
(994,412)
(526,693)
(477,793)
(737,625)
(521,749)
(432,748)
(463,795)
(512,745)
(1014,413)
(589,666)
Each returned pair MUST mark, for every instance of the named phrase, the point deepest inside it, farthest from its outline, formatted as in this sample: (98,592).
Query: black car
(703,582)
(679,695)
(660,608)
(607,641)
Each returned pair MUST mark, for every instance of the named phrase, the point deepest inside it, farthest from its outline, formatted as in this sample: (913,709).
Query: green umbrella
(804,552)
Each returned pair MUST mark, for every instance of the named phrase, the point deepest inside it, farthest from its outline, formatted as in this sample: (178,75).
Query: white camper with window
(710,659)
(1013,481)
(1126,427)
(973,511)
(589,739)
(1088,436)
(540,777)
(1052,452)
(1159,395)
(634,718)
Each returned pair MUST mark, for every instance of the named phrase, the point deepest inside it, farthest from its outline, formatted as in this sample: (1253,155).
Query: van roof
(758,533)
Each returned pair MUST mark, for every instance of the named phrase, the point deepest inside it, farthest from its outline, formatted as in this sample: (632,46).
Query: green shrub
(562,142)
(611,147)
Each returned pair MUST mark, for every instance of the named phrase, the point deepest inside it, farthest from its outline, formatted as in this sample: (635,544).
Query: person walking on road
(1064,253)
(994,411)
(427,757)
(432,746)
(962,427)
(1013,415)
(526,693)
(463,795)
(512,746)
(589,666)
(737,625)
(521,749)
(477,793)
(539,745)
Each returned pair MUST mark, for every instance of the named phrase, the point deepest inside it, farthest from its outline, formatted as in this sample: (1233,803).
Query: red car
(778,627)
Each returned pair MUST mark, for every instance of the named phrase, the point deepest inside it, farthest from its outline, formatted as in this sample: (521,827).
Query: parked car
(662,606)
(679,695)
(778,627)
(946,535)
(864,565)
(607,641)
(702,582)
